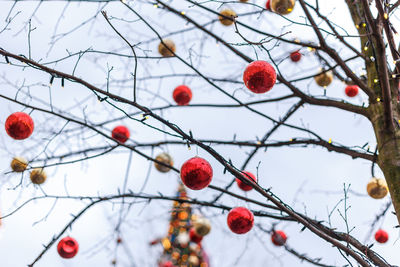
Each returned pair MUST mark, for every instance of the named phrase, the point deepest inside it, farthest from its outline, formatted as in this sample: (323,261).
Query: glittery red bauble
(381,236)
(182,95)
(240,220)
(259,76)
(196,173)
(19,125)
(295,56)
(351,90)
(194,237)
(268,5)
(278,238)
(166,264)
(242,185)
(67,247)
(120,133)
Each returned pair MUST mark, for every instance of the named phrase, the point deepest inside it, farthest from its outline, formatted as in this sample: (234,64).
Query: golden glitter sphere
(227,13)
(377,188)
(19,164)
(324,79)
(38,176)
(164,158)
(193,260)
(202,226)
(282,7)
(163,48)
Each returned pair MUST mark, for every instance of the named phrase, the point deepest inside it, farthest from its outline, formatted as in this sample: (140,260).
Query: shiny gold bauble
(164,158)
(38,176)
(227,13)
(202,226)
(282,7)
(19,164)
(324,79)
(163,48)
(377,188)
(193,260)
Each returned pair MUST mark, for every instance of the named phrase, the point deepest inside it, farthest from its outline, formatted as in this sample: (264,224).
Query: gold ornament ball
(202,226)
(164,158)
(38,176)
(244,1)
(282,7)
(227,13)
(193,260)
(19,164)
(324,79)
(377,188)
(163,48)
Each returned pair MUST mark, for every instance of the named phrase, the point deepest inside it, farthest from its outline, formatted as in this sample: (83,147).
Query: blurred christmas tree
(182,246)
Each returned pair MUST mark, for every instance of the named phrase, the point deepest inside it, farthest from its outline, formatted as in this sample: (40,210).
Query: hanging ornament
(240,220)
(182,95)
(227,13)
(19,125)
(183,239)
(193,260)
(268,5)
(120,133)
(196,173)
(324,79)
(167,48)
(202,226)
(19,164)
(282,7)
(242,185)
(351,90)
(377,188)
(67,247)
(381,236)
(259,76)
(38,176)
(164,158)
(278,238)
(295,56)
(194,237)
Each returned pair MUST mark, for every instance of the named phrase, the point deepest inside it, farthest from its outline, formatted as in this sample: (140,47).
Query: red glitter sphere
(242,185)
(259,76)
(120,133)
(67,247)
(240,220)
(381,236)
(295,56)
(268,5)
(182,95)
(278,238)
(196,173)
(19,125)
(351,90)
(194,237)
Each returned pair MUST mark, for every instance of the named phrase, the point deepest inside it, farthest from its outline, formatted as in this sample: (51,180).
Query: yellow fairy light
(376,80)
(291,139)
(330,141)
(365,48)
(309,48)
(385,16)
(297,41)
(183,12)
(393,76)
(289,10)
(364,25)
(357,26)
(378,100)
(155,5)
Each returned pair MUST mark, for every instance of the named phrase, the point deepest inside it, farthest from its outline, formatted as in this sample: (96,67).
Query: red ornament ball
(67,247)
(196,173)
(381,236)
(295,56)
(278,238)
(182,95)
(194,237)
(242,185)
(268,5)
(166,264)
(240,220)
(259,76)
(351,90)
(120,133)
(19,125)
